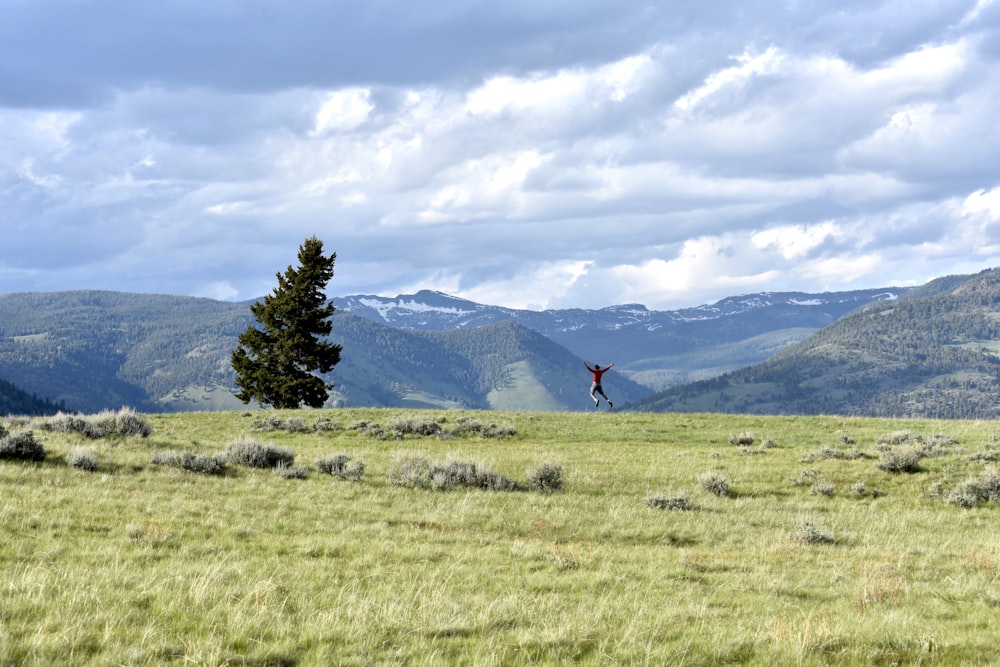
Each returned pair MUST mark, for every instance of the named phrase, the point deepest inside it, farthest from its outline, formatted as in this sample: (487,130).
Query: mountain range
(92,350)
(934,352)
(656,349)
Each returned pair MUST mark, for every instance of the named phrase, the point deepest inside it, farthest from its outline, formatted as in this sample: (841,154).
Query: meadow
(675,539)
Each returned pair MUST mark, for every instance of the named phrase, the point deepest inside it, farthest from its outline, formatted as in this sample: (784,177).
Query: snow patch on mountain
(385,307)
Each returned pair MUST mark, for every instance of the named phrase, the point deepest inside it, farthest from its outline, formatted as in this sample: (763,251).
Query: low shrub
(900,459)
(416,471)
(897,438)
(21,447)
(808,476)
(286,471)
(469,474)
(369,428)
(680,502)
(744,439)
(108,423)
(715,483)
(808,533)
(128,423)
(937,445)
(410,470)
(206,464)
(546,478)
(325,425)
(823,487)
(859,490)
(988,455)
(339,465)
(828,453)
(84,459)
(276,423)
(253,453)
(467,427)
(401,425)
(984,488)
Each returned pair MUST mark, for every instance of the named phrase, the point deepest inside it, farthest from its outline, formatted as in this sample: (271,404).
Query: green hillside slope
(518,368)
(928,356)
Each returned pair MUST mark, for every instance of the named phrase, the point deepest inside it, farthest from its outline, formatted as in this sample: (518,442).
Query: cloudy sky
(526,153)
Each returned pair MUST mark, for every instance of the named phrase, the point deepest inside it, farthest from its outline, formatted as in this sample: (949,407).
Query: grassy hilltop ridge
(832,541)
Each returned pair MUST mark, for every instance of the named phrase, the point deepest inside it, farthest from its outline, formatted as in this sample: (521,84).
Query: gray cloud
(525,154)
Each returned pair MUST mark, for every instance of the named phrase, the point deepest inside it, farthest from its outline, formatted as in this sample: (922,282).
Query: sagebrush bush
(22,447)
(823,487)
(715,483)
(468,474)
(325,424)
(680,502)
(807,476)
(84,459)
(410,470)
(859,490)
(414,470)
(546,478)
(206,464)
(340,465)
(402,425)
(106,424)
(900,459)
(286,471)
(468,426)
(984,488)
(128,423)
(276,423)
(897,438)
(808,533)
(370,428)
(253,453)
(826,453)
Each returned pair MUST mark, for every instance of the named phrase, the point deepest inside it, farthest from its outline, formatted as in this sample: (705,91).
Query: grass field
(813,555)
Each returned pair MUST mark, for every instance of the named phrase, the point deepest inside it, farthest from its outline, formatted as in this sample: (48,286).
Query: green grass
(141,564)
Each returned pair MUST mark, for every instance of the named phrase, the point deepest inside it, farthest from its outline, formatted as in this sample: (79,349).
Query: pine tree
(275,365)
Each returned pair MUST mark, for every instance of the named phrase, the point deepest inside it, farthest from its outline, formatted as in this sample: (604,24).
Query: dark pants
(596,389)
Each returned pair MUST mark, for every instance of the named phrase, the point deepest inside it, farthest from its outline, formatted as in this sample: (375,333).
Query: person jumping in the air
(596,387)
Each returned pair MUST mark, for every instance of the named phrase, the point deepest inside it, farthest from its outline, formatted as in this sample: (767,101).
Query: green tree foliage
(275,365)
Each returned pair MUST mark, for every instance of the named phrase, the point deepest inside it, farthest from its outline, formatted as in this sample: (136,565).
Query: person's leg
(593,388)
(601,390)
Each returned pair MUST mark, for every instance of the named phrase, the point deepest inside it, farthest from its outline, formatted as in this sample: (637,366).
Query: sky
(529,154)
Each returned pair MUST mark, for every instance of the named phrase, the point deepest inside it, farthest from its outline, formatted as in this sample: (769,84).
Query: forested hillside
(17,401)
(91,350)
(934,355)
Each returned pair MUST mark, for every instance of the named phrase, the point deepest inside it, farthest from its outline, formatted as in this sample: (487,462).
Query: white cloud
(794,241)
(535,289)
(560,93)
(222,291)
(749,66)
(343,110)
(982,201)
